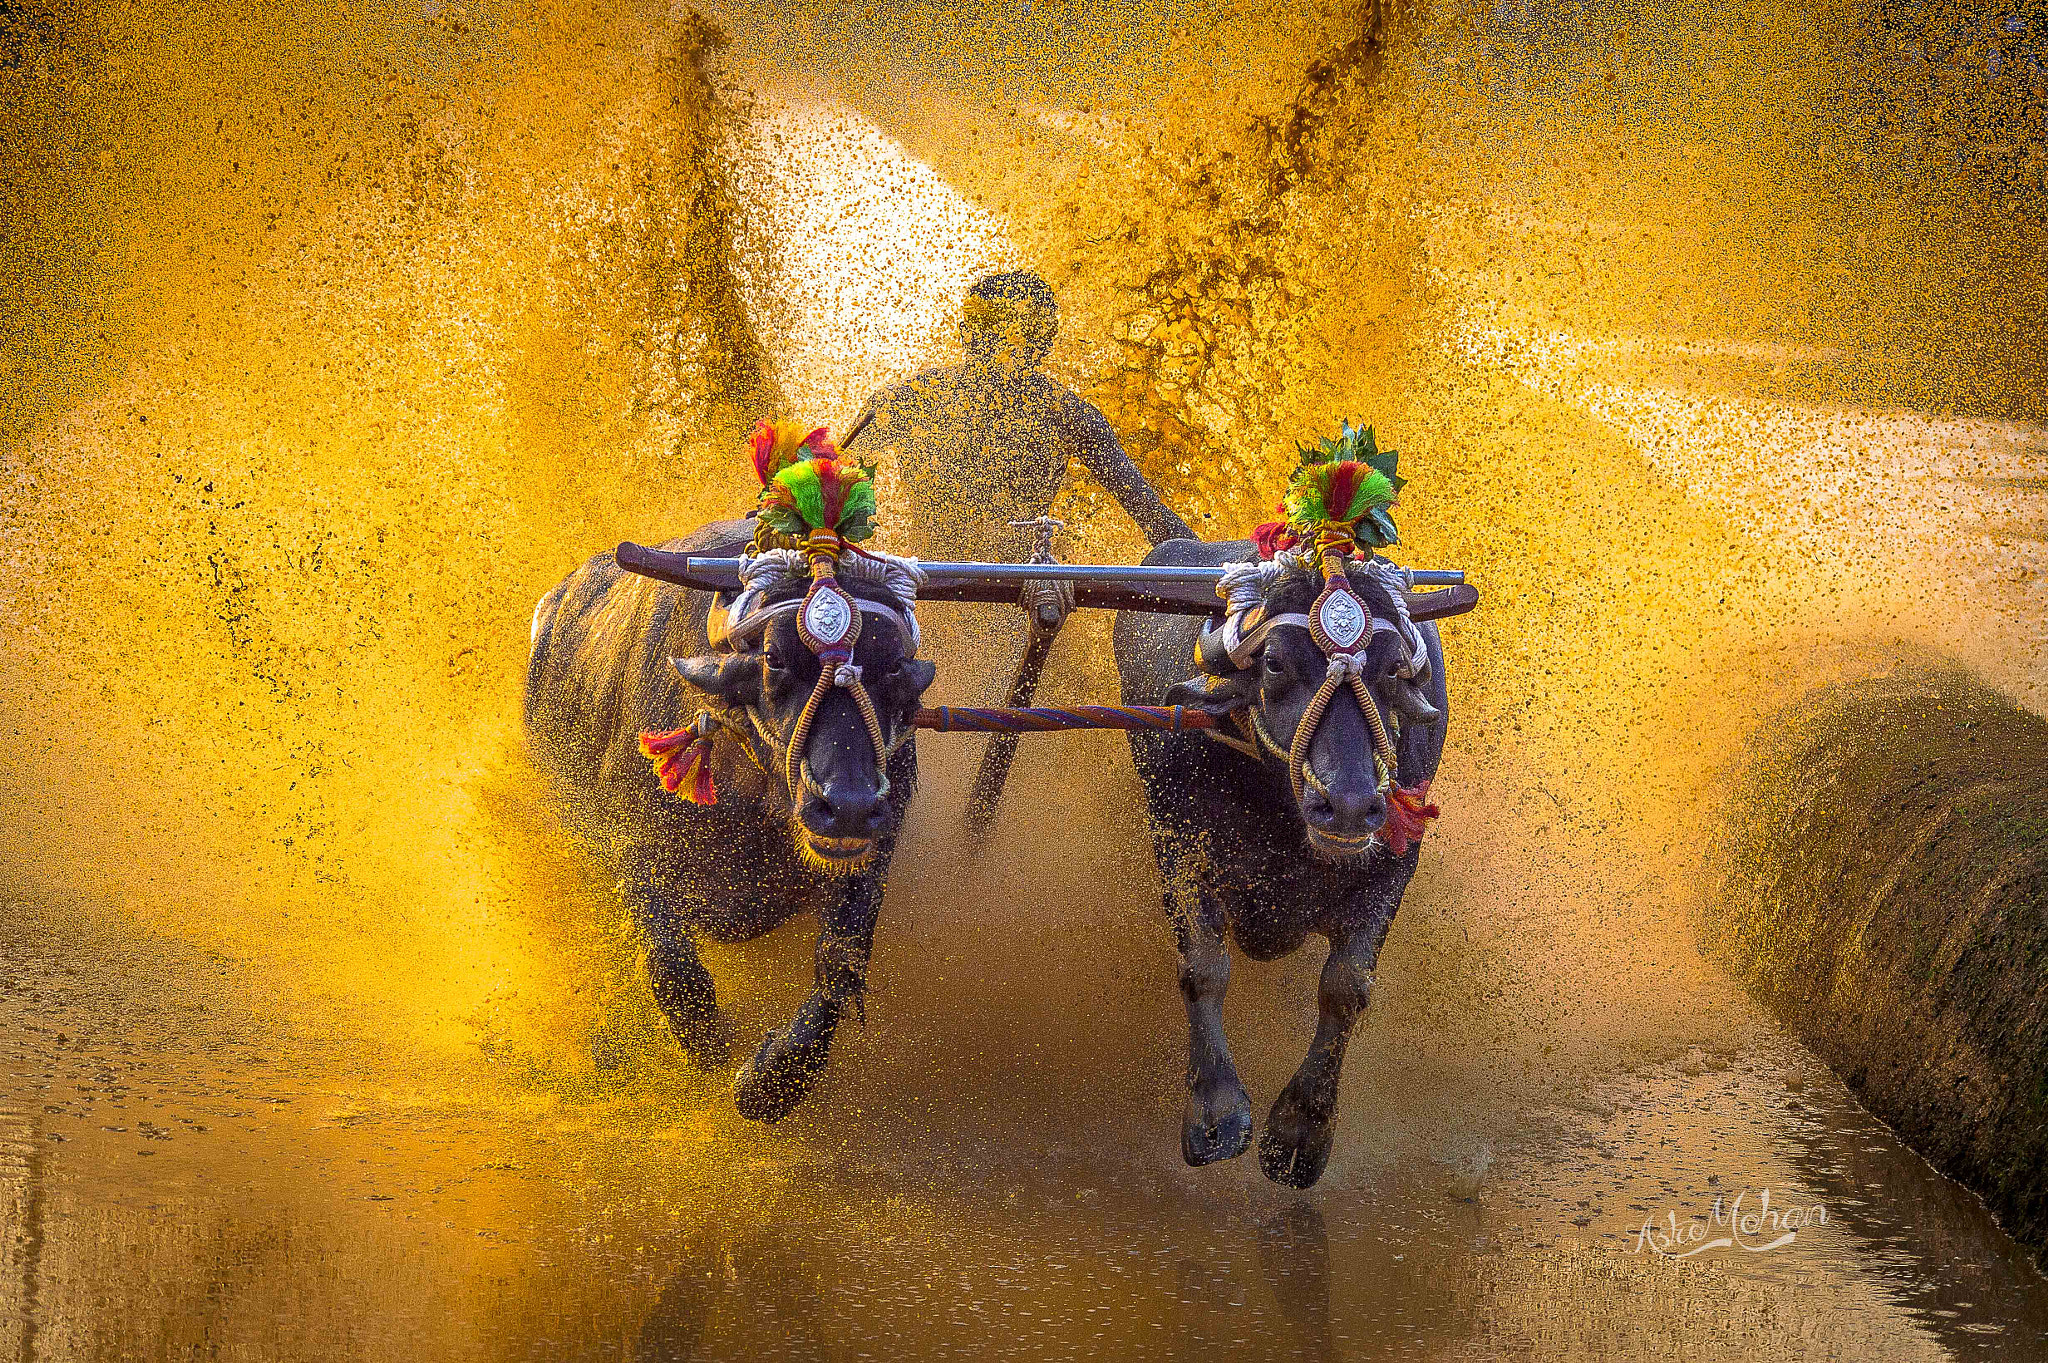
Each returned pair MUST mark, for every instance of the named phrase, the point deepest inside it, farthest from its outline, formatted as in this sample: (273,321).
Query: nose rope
(830,634)
(848,676)
(1347,666)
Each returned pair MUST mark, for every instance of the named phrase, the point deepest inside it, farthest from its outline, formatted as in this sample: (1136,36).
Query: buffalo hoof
(771,1084)
(1218,1127)
(706,1039)
(1294,1149)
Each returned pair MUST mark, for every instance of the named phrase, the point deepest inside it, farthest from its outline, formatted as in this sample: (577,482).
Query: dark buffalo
(601,672)
(1240,858)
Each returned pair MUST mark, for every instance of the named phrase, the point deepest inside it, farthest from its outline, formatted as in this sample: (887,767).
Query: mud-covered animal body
(1244,859)
(601,672)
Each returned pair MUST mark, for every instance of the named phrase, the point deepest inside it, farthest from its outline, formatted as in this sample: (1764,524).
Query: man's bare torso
(974,456)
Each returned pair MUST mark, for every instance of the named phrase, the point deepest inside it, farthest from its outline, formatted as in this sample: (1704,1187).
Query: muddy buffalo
(1261,850)
(615,654)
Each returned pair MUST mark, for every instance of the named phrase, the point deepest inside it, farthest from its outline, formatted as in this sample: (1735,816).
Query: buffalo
(1262,844)
(615,655)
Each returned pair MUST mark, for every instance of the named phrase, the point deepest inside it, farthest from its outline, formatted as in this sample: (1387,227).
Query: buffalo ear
(1406,697)
(919,674)
(1215,695)
(732,678)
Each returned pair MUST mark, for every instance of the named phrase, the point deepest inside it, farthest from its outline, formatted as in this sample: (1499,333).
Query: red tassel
(1272,537)
(1408,815)
(680,756)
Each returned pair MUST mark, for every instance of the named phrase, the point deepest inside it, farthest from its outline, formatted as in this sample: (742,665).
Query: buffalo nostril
(1356,812)
(847,813)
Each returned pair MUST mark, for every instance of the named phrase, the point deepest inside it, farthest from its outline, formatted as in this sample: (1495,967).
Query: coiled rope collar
(1341,626)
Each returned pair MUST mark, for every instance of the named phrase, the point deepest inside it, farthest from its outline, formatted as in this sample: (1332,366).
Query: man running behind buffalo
(986,442)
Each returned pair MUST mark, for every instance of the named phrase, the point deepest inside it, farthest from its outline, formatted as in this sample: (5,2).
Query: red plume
(1408,814)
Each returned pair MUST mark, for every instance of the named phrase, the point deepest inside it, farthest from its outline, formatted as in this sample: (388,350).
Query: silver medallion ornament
(1339,621)
(829,621)
(1342,620)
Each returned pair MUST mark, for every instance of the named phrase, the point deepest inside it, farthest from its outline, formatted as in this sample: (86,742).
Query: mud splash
(341,342)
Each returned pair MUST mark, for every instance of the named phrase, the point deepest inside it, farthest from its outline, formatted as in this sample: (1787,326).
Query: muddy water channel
(339,341)
(184,1181)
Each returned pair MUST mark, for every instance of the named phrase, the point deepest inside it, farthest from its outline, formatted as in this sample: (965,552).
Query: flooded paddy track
(349,1056)
(224,1199)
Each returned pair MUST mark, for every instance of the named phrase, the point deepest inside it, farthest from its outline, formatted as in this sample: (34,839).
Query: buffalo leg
(1295,1146)
(683,988)
(1218,1121)
(791,1058)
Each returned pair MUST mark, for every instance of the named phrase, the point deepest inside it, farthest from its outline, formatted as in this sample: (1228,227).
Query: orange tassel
(682,762)
(1408,814)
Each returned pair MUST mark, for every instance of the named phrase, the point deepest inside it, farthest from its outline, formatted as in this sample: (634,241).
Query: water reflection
(1294,1252)
(21,1244)
(761,1292)
(1980,1294)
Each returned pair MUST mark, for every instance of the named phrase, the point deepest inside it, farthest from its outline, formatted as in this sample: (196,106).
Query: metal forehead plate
(1340,619)
(829,619)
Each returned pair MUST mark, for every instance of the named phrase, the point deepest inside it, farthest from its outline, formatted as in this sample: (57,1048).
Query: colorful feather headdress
(810,500)
(806,487)
(1343,490)
(778,444)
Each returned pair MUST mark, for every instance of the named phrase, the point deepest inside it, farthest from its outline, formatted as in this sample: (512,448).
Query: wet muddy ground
(185,1181)
(316,1042)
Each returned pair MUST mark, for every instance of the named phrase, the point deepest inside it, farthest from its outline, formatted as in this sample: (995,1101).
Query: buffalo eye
(1274,672)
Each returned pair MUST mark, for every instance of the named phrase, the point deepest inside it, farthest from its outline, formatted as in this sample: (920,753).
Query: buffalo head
(1271,669)
(838,795)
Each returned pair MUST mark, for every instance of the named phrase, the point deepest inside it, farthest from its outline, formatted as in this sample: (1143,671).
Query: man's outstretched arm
(1102,454)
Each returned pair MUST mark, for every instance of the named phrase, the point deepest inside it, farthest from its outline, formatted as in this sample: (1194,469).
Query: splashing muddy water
(337,339)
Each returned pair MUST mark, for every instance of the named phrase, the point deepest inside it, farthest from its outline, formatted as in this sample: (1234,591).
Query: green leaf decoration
(1353,444)
(1380,526)
(1384,461)
(784,520)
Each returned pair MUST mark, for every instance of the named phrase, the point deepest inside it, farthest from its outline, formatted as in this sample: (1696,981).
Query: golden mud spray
(339,340)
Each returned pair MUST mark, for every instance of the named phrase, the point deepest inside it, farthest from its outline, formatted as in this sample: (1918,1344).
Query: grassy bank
(1884,888)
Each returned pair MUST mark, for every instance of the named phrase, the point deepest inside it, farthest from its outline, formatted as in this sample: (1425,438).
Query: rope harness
(1342,628)
(829,624)
(828,621)
(820,504)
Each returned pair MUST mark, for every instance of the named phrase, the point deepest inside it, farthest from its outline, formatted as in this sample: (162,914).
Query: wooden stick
(1163,600)
(1011,720)
(1001,751)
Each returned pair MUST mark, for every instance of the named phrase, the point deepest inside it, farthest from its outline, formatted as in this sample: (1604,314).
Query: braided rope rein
(835,659)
